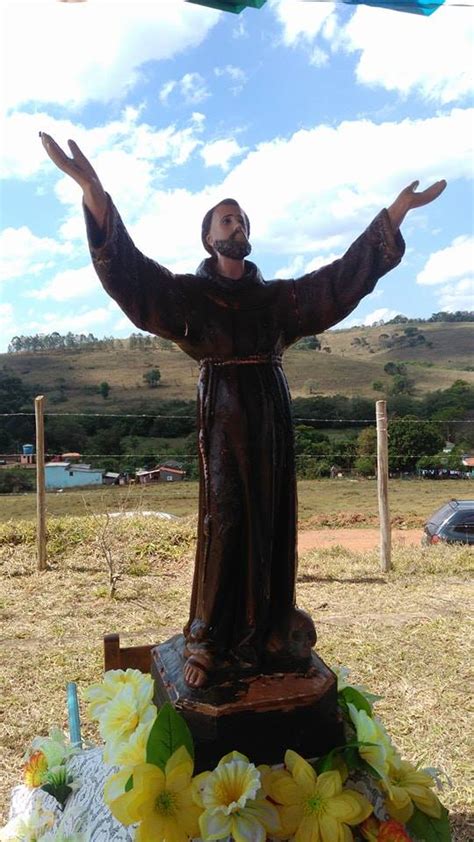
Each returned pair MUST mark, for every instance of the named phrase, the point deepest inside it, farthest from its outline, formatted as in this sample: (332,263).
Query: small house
(68,475)
(111,478)
(468,462)
(161,473)
(27,457)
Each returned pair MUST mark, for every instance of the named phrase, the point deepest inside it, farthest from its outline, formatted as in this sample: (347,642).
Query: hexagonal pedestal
(259,715)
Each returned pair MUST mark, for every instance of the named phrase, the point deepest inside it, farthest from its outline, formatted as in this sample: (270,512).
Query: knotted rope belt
(256,359)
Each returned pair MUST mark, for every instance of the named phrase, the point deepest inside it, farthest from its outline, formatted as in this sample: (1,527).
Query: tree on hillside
(104,389)
(393,368)
(409,440)
(152,378)
(13,392)
(366,450)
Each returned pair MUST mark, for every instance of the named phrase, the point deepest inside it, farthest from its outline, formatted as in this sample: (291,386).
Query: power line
(193,418)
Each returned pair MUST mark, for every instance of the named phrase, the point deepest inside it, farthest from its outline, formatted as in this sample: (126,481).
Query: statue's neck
(230,268)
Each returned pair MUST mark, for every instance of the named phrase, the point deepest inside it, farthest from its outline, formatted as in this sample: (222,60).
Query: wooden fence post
(40,486)
(382,486)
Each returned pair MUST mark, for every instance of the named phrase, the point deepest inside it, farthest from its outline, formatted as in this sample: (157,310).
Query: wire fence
(339,454)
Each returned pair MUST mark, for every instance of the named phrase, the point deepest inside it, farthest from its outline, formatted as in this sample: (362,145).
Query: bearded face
(236,247)
(228,234)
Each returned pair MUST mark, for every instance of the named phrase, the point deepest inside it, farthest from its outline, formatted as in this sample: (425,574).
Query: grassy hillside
(350,361)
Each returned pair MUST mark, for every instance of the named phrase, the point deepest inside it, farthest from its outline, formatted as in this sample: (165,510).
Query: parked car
(452,523)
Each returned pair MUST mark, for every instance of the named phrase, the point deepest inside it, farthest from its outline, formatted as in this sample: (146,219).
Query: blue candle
(73,715)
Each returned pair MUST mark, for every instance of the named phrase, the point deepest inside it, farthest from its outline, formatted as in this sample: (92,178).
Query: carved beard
(237,249)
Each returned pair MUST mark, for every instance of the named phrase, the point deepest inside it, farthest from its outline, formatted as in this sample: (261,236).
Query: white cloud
(451,263)
(318,57)
(191,87)
(73,321)
(24,156)
(72,283)
(457,296)
(301,21)
(236,77)
(124,324)
(166,90)
(220,152)
(321,191)
(382,314)
(299,265)
(23,253)
(432,55)
(98,49)
(452,267)
(293,269)
(435,59)
(7,323)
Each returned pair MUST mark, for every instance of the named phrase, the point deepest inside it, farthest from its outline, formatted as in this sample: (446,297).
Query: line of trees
(442,316)
(76,341)
(73,341)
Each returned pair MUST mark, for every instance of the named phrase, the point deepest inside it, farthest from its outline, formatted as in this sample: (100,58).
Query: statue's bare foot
(195,672)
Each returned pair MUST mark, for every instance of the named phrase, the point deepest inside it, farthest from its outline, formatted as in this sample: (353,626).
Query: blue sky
(313,115)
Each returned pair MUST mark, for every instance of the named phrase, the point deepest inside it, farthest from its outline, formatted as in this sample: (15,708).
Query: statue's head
(225,230)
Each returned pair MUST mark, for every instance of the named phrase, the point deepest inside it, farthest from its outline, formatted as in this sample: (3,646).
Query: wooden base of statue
(258,715)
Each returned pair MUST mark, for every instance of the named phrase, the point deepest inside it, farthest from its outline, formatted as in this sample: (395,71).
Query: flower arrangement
(360,791)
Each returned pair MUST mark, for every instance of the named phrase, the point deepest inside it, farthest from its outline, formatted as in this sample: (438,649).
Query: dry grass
(345,502)
(404,634)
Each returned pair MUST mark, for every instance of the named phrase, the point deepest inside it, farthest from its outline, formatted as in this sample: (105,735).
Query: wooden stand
(260,715)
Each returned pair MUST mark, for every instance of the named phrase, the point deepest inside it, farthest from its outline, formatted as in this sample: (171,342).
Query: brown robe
(243,597)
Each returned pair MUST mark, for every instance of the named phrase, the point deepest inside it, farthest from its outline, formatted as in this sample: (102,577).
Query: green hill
(349,363)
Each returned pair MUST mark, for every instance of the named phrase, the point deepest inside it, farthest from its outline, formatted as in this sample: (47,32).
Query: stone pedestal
(259,715)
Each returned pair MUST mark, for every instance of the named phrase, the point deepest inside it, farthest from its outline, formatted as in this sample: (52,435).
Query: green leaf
(351,757)
(428,829)
(350,694)
(168,733)
(129,784)
(60,793)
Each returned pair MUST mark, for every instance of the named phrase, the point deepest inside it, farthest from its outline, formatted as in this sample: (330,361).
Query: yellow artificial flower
(370,730)
(407,786)
(132,751)
(101,694)
(126,712)
(35,769)
(234,803)
(160,802)
(315,808)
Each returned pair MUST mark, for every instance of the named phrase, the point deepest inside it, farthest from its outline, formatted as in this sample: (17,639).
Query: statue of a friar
(237,326)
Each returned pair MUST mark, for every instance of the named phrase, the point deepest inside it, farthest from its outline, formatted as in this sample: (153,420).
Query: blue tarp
(418,7)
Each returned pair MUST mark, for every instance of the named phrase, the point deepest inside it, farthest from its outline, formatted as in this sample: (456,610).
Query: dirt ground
(354,539)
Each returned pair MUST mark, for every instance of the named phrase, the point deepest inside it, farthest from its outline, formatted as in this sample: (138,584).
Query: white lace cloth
(87,802)
(85,808)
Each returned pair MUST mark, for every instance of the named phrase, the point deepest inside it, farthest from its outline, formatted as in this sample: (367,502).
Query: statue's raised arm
(149,294)
(82,171)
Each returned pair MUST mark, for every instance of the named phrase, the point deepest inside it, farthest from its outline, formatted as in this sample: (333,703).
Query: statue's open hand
(424,197)
(409,199)
(78,167)
(82,171)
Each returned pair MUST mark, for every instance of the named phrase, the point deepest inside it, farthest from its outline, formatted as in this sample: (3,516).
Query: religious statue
(237,326)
